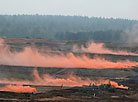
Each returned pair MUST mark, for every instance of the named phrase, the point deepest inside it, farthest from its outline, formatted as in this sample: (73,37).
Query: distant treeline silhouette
(63,27)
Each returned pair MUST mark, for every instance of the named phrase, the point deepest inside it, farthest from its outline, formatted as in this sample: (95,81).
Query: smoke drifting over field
(70,81)
(100,48)
(32,57)
(18,88)
(131,36)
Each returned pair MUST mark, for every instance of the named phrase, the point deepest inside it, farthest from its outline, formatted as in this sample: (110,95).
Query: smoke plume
(115,85)
(18,88)
(70,81)
(100,48)
(32,57)
(131,36)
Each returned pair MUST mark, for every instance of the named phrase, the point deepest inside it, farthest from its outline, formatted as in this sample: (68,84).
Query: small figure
(62,85)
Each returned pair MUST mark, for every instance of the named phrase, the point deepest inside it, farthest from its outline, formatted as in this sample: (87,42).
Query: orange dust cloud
(70,81)
(32,57)
(18,88)
(100,48)
(115,85)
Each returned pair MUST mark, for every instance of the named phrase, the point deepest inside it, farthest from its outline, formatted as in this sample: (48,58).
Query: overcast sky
(97,8)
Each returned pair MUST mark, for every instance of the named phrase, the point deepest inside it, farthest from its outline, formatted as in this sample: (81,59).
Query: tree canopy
(63,27)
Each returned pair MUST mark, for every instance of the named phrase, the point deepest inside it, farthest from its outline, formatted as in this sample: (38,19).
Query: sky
(127,9)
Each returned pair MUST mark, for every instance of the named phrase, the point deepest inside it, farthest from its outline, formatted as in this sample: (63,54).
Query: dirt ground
(127,77)
(74,94)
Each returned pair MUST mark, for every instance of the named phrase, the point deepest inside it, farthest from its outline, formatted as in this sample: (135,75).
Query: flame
(18,88)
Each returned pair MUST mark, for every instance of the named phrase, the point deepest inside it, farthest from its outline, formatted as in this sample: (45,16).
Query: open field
(126,77)
(53,93)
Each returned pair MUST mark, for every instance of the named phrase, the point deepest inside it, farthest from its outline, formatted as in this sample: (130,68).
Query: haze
(98,8)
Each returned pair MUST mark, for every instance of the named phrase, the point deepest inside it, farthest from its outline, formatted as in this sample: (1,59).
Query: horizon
(124,9)
(66,16)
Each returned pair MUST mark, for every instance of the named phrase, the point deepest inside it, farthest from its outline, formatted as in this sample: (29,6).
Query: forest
(58,27)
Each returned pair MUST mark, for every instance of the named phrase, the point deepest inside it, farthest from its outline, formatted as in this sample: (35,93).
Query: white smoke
(131,36)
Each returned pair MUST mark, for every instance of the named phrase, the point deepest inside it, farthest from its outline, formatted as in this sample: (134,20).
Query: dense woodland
(64,27)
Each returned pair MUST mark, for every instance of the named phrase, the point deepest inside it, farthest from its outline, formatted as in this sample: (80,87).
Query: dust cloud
(48,80)
(32,57)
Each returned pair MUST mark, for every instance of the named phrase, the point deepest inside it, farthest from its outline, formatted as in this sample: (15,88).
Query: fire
(18,88)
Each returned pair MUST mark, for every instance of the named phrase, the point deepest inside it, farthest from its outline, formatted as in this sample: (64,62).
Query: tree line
(63,27)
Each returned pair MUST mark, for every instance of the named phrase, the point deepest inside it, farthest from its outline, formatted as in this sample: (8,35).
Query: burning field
(56,71)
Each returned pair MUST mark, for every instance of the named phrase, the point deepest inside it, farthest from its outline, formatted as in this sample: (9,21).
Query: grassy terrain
(127,77)
(23,72)
(75,94)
